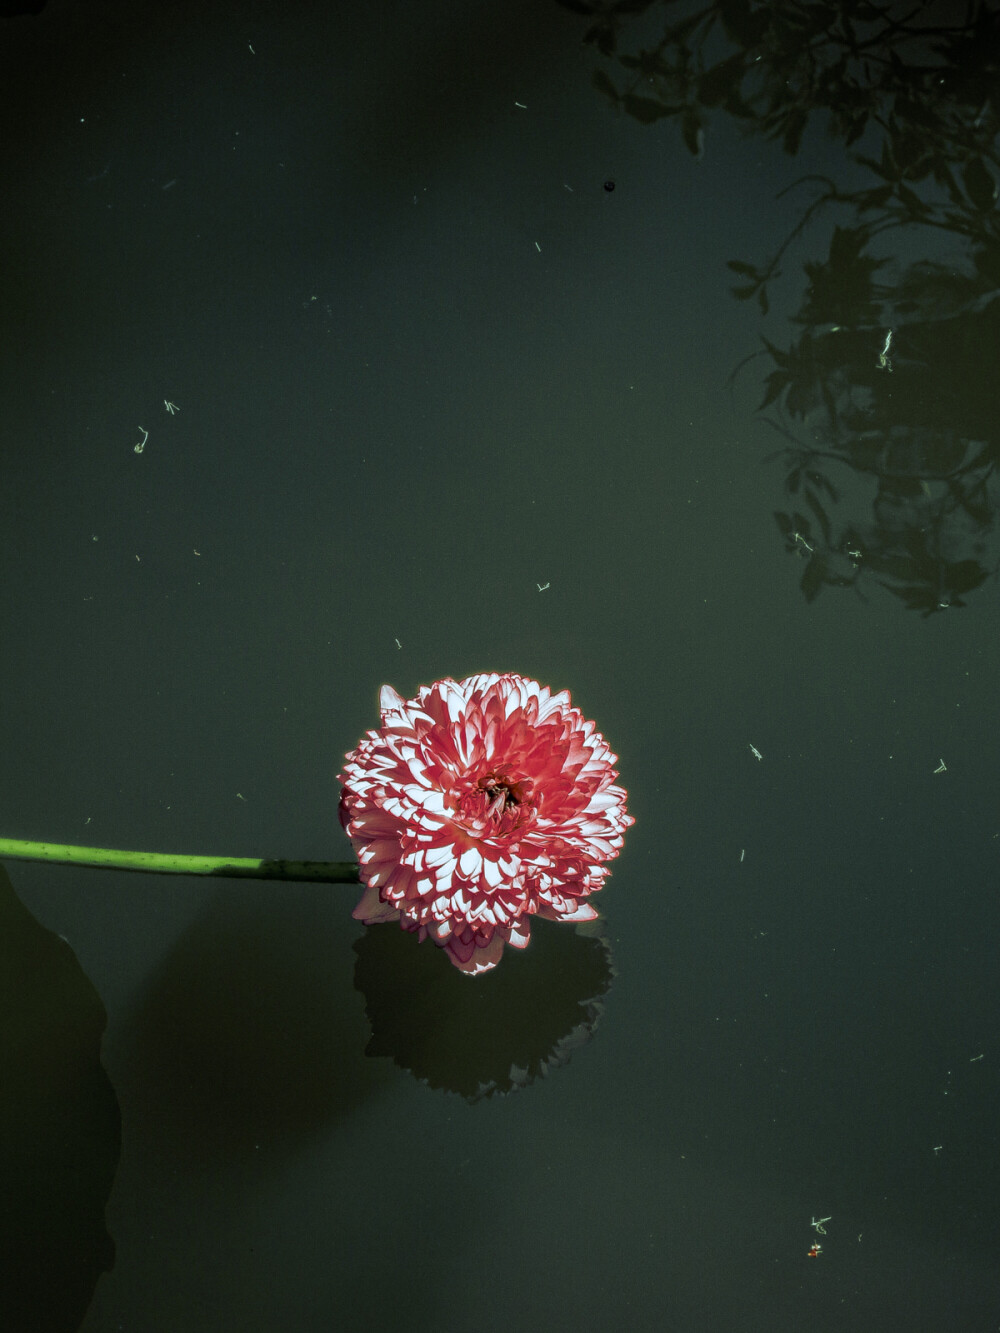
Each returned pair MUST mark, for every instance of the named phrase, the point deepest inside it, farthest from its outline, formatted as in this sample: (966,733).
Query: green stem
(167,863)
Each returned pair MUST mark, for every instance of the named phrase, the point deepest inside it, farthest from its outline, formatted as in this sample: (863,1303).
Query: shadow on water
(60,1128)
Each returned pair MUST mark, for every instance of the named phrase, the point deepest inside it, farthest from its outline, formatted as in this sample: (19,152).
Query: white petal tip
(389,700)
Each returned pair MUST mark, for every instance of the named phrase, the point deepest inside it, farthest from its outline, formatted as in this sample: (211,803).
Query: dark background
(316,230)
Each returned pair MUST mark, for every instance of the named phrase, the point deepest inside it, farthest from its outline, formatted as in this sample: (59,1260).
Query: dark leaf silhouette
(693,131)
(980,185)
(717,83)
(891,372)
(647,109)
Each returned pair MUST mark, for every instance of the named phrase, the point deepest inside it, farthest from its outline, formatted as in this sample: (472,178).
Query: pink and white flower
(475,806)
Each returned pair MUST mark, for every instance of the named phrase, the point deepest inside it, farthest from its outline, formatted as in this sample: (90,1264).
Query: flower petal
(477,803)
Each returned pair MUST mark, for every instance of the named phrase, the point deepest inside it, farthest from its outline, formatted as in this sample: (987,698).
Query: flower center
(497,799)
